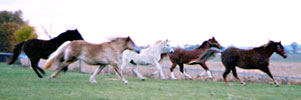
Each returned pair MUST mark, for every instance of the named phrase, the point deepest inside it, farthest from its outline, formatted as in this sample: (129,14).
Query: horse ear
(213,38)
(128,38)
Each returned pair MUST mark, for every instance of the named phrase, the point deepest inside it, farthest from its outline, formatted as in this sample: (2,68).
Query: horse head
(165,47)
(213,43)
(73,35)
(279,49)
(131,45)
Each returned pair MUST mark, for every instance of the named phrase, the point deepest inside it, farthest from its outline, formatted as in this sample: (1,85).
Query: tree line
(14,29)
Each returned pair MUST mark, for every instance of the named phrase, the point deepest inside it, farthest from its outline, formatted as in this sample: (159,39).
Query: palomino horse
(148,56)
(93,54)
(256,58)
(181,57)
(36,49)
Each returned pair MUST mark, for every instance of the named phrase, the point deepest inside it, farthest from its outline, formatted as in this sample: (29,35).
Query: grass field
(18,83)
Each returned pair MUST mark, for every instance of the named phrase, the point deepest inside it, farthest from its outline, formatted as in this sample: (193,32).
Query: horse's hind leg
(135,70)
(203,64)
(173,66)
(34,66)
(184,72)
(227,71)
(267,71)
(97,71)
(60,67)
(235,75)
(40,69)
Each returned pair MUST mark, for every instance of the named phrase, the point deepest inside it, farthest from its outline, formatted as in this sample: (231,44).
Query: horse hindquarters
(229,61)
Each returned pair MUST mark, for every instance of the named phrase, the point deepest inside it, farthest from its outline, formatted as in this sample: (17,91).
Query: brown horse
(103,54)
(256,58)
(191,57)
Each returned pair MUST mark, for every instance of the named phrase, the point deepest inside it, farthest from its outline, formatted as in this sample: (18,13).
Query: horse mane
(157,42)
(113,39)
(203,44)
(64,34)
(263,46)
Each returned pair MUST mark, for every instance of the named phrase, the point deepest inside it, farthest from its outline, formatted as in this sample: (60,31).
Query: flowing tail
(56,55)
(17,52)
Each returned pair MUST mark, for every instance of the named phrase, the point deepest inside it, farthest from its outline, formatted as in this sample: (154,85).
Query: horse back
(185,56)
(248,59)
(39,48)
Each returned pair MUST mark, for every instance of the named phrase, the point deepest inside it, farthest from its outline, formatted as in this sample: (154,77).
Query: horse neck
(269,50)
(58,40)
(117,46)
(204,46)
(156,50)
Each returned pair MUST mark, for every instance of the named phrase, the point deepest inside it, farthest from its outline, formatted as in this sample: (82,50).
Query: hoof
(210,77)
(174,78)
(277,85)
(243,84)
(142,79)
(188,78)
(93,81)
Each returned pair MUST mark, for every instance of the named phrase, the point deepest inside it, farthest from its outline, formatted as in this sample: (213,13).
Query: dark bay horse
(256,58)
(191,57)
(36,49)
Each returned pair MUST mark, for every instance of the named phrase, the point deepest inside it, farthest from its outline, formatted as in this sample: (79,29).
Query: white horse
(147,56)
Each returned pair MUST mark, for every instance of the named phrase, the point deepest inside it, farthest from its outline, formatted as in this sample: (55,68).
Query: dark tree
(9,23)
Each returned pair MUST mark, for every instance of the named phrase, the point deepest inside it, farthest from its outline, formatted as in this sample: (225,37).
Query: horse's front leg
(135,70)
(207,71)
(96,72)
(187,76)
(158,66)
(119,73)
(267,71)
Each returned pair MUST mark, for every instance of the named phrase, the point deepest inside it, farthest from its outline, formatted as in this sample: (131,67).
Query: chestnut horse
(256,58)
(102,54)
(181,57)
(36,49)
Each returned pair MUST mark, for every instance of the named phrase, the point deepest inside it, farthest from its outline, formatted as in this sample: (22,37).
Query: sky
(231,22)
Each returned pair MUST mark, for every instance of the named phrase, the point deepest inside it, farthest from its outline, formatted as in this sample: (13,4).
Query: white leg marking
(187,75)
(209,74)
(172,75)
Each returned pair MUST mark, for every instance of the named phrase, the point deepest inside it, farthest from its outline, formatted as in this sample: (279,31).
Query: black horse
(36,49)
(256,58)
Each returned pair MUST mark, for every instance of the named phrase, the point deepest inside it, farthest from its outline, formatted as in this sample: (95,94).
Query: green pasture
(17,83)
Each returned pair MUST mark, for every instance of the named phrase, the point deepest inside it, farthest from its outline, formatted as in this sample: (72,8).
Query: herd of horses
(69,47)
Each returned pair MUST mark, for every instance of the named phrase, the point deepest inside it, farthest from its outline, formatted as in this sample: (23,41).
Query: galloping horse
(148,56)
(256,58)
(93,54)
(181,57)
(36,49)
